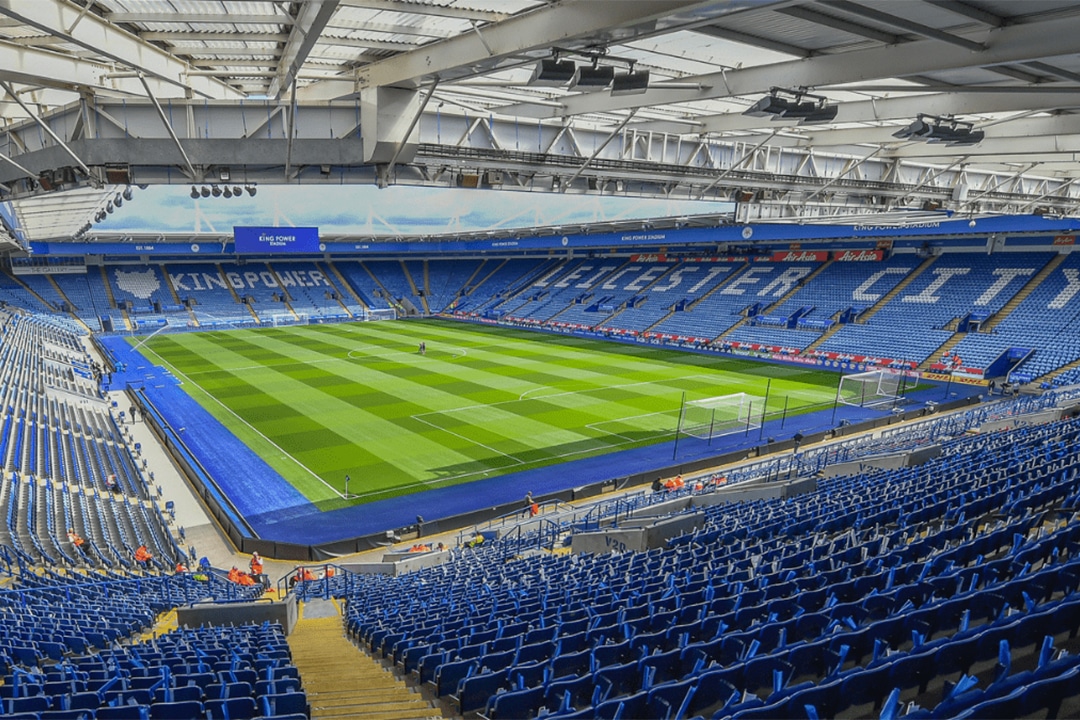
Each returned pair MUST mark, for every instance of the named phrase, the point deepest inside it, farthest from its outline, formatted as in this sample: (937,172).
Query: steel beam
(961,103)
(851,168)
(1065,147)
(48,130)
(197,18)
(1026,127)
(753,40)
(311,20)
(546,27)
(1011,44)
(1054,71)
(599,149)
(427,9)
(132,132)
(17,166)
(105,40)
(969,11)
(172,133)
(390,28)
(211,37)
(903,23)
(368,44)
(34,66)
(1057,190)
(412,126)
(805,12)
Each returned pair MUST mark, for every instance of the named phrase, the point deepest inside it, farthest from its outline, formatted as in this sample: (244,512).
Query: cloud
(365,209)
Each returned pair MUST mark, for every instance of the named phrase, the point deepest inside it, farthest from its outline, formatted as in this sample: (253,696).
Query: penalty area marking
(594,427)
(657,433)
(518,460)
(596,389)
(519,463)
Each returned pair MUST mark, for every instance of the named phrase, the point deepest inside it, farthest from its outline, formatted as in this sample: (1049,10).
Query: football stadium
(488,359)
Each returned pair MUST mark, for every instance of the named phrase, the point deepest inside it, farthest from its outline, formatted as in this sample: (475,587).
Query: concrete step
(341,681)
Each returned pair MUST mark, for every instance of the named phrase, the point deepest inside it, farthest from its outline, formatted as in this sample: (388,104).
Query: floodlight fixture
(194,193)
(250,190)
(592,78)
(205,191)
(595,73)
(798,104)
(630,83)
(215,191)
(127,193)
(919,129)
(227,192)
(810,112)
(941,129)
(553,72)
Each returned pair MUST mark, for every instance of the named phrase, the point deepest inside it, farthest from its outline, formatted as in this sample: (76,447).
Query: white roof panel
(708,60)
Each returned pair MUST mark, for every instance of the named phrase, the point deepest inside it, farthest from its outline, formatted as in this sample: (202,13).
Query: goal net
(721,415)
(875,387)
(290,319)
(380,314)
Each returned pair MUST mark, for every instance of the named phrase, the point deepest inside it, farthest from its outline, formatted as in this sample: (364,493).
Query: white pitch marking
(598,389)
(519,461)
(249,425)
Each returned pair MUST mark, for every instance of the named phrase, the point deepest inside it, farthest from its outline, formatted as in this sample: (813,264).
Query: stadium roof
(447,96)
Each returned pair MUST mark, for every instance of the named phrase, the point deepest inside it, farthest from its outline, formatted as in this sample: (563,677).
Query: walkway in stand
(340,680)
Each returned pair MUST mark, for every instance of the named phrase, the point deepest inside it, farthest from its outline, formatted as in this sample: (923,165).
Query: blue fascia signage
(306,240)
(275,240)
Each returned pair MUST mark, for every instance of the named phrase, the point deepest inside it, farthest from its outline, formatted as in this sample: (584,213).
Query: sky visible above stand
(392,211)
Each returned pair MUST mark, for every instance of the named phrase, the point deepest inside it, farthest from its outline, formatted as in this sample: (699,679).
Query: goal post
(874,387)
(372,314)
(280,319)
(721,415)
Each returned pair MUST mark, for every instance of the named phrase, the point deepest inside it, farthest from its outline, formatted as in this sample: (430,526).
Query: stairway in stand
(340,680)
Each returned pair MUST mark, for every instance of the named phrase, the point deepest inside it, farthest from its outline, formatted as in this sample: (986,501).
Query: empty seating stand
(210,672)
(873,592)
(59,444)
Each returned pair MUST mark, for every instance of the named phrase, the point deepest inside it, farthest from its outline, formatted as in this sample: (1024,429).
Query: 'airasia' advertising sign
(858,255)
(801,256)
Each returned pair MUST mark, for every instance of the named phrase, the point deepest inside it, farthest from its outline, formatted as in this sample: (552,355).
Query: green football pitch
(319,402)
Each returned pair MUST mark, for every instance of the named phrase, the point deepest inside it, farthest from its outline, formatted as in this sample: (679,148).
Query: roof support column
(387,124)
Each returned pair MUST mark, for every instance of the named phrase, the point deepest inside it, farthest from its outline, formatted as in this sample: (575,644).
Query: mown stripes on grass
(318,402)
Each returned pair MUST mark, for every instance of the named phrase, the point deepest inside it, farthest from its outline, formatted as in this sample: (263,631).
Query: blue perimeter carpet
(277,511)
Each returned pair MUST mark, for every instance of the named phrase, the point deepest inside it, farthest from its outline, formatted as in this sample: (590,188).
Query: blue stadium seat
(129,712)
(284,703)
(176,710)
(237,708)
(474,691)
(178,694)
(33,703)
(81,714)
